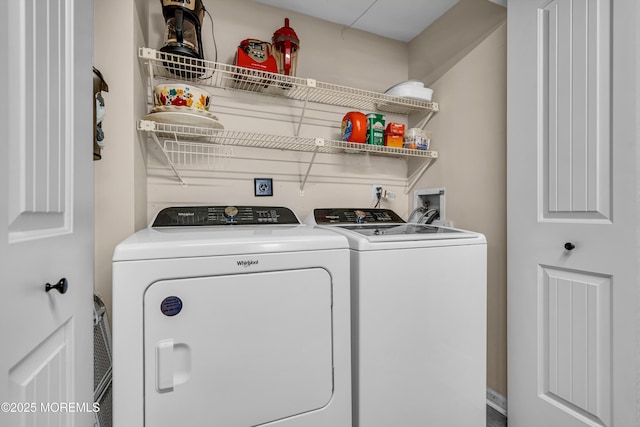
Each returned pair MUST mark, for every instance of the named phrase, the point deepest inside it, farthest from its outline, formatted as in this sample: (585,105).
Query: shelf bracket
(311,83)
(171,164)
(413,179)
(319,143)
(423,123)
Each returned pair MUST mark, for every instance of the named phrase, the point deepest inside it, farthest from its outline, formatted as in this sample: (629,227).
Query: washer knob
(230,211)
(360,215)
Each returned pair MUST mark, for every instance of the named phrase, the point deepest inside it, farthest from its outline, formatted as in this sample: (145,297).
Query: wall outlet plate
(374,192)
(263,187)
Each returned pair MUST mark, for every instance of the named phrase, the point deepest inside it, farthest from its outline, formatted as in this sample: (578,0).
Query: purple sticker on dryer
(171,306)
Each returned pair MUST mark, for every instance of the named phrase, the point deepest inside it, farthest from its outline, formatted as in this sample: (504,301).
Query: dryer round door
(237,350)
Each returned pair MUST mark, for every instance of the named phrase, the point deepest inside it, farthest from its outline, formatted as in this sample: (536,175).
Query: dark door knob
(569,246)
(61,286)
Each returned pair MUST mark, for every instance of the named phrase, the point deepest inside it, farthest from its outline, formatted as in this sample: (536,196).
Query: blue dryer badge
(171,306)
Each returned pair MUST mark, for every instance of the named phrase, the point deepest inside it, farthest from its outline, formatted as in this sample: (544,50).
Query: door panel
(46,223)
(42,377)
(575,342)
(40,138)
(574,59)
(239,350)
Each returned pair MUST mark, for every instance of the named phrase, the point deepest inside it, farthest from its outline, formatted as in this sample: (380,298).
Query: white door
(572,213)
(238,350)
(46,214)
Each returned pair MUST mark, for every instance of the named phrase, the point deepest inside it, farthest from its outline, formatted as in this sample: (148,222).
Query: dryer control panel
(182,216)
(356,216)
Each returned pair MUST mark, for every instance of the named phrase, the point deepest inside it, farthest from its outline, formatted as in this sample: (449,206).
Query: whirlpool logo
(247,263)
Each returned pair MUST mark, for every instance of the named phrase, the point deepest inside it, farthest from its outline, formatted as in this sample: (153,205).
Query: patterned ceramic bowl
(181,95)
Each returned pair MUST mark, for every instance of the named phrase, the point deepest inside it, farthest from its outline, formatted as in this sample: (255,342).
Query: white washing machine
(419,320)
(234,317)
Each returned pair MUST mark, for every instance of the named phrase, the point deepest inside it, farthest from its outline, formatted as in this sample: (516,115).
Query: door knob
(569,246)
(61,286)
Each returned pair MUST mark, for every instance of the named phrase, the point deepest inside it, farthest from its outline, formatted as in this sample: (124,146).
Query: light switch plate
(263,187)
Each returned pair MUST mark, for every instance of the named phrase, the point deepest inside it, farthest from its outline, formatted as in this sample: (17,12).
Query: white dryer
(234,317)
(419,320)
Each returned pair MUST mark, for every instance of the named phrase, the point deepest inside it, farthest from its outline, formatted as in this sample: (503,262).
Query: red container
(394,129)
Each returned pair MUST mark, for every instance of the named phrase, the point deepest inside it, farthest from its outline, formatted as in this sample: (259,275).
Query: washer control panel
(182,216)
(356,216)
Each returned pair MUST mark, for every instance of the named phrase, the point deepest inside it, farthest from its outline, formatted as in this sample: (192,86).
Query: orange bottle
(354,127)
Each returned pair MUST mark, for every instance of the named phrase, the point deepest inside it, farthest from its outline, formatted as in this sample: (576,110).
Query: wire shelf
(186,144)
(209,73)
(195,154)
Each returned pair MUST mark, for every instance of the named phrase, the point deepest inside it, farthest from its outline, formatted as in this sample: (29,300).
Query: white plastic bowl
(412,89)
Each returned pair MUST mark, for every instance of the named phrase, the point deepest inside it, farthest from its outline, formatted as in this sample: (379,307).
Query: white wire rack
(199,155)
(197,147)
(227,76)
(192,137)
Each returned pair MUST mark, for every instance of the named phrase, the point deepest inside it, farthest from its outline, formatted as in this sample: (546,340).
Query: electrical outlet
(375,188)
(263,187)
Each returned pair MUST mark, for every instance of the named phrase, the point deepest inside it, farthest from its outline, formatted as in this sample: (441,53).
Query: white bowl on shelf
(412,89)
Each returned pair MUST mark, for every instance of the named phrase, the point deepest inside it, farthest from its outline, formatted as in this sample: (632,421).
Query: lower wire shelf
(192,146)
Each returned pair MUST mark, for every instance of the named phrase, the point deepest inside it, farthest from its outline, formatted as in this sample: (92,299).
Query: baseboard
(497,401)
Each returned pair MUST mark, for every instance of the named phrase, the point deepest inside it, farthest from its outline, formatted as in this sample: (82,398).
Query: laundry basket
(102,365)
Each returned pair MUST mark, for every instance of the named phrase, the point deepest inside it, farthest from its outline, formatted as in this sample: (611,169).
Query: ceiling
(396,19)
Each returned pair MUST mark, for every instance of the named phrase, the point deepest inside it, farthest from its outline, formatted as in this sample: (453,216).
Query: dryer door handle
(173,365)
(164,366)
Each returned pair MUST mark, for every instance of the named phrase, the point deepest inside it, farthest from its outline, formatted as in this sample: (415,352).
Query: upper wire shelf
(209,73)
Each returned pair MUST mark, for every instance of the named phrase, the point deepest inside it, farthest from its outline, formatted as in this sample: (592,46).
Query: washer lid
(376,229)
(388,236)
(388,230)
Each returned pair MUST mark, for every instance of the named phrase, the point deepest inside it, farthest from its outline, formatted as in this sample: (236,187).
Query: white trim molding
(497,401)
